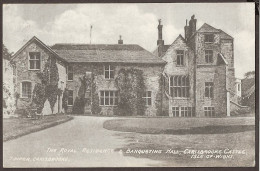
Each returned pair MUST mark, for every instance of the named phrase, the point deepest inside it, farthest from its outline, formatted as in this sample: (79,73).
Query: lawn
(16,127)
(180,134)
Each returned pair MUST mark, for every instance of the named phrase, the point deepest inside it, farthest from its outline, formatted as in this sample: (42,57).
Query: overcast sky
(137,23)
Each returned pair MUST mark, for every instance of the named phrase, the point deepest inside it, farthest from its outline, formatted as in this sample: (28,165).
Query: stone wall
(171,69)
(151,74)
(22,73)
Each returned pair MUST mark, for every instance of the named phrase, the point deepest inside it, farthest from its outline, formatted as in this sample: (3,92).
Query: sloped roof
(123,53)
(209,29)
(164,49)
(221,59)
(247,86)
(38,41)
(224,35)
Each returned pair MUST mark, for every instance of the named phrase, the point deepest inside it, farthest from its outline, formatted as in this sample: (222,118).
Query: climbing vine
(48,89)
(130,83)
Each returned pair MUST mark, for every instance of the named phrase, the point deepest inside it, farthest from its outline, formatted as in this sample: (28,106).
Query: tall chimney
(120,41)
(160,41)
(192,24)
(186,31)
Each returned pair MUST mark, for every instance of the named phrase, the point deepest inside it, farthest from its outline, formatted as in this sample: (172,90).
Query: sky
(137,23)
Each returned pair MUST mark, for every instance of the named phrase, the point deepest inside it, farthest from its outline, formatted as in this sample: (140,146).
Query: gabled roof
(209,29)
(36,40)
(121,53)
(224,35)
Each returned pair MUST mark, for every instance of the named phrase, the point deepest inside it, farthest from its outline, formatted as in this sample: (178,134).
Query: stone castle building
(192,77)
(199,77)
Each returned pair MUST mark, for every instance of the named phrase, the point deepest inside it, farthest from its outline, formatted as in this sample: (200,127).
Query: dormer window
(180,57)
(109,72)
(34,61)
(209,38)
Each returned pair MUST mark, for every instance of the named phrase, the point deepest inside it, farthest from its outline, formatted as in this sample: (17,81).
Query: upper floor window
(70,73)
(180,57)
(70,97)
(108,98)
(34,61)
(179,86)
(209,38)
(109,72)
(209,56)
(209,89)
(147,96)
(26,89)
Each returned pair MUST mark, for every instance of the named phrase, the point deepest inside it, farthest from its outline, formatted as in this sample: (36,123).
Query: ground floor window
(183,111)
(108,98)
(175,111)
(209,111)
(26,89)
(147,96)
(70,97)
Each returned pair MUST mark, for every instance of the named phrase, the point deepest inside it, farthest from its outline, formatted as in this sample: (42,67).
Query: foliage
(78,106)
(65,100)
(6,54)
(39,97)
(250,74)
(49,81)
(95,108)
(130,83)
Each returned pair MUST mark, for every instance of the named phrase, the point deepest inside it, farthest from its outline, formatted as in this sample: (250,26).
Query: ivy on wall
(130,83)
(48,89)
(65,100)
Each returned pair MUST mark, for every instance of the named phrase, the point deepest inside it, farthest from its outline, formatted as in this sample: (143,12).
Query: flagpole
(90,32)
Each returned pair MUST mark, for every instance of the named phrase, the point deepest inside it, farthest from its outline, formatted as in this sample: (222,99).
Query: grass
(17,127)
(188,133)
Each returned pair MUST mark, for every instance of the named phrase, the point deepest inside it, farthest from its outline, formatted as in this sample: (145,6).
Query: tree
(250,74)
(6,54)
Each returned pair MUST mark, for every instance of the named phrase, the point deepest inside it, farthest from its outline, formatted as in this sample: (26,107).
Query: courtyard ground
(176,135)
(16,127)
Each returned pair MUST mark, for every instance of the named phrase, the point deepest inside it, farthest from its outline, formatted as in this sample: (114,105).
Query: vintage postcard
(129,85)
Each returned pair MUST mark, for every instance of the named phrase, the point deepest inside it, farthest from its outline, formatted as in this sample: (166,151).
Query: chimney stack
(190,29)
(192,24)
(160,41)
(120,41)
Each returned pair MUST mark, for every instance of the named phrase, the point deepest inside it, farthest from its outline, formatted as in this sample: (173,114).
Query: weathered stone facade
(22,73)
(151,74)
(219,71)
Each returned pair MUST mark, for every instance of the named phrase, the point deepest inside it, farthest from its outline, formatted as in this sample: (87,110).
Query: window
(175,111)
(147,96)
(108,98)
(209,38)
(209,56)
(209,111)
(180,57)
(26,89)
(34,61)
(179,86)
(70,97)
(209,89)
(109,72)
(70,73)
(187,111)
